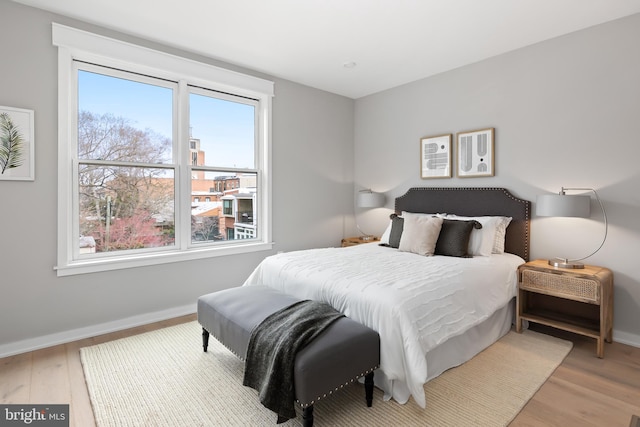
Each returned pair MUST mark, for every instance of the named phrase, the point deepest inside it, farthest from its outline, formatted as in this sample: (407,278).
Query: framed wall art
(435,156)
(476,153)
(16,144)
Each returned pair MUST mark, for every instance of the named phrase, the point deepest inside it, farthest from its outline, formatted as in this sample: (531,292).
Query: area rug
(163,378)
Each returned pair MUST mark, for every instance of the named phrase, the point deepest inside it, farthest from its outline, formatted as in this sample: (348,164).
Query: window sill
(119,263)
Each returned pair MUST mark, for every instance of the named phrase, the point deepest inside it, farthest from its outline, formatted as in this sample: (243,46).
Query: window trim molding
(74,44)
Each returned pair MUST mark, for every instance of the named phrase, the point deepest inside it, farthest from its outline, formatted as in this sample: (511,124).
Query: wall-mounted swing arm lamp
(563,205)
(368,199)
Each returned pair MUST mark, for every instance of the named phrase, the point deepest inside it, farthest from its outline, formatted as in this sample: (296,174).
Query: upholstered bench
(342,353)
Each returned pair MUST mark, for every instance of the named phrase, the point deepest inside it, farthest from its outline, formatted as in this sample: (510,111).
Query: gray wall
(312,182)
(566,113)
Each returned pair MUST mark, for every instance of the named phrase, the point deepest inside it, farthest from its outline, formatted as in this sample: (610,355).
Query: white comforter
(414,302)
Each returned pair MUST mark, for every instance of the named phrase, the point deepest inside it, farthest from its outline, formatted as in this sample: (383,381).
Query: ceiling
(387,42)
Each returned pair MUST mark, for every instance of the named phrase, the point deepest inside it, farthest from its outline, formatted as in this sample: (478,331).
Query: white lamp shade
(563,205)
(369,199)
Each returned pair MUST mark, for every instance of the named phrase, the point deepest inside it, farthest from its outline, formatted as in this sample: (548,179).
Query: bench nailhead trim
(304,405)
(225,346)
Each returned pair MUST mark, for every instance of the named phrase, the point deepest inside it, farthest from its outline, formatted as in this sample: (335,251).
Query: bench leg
(368,388)
(205,339)
(307,416)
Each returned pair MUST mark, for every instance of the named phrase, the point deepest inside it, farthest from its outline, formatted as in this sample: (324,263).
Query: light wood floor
(584,391)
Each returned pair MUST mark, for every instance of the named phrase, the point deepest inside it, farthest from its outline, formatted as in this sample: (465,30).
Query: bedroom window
(144,137)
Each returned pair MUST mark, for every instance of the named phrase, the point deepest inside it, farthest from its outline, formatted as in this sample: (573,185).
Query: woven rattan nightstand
(574,300)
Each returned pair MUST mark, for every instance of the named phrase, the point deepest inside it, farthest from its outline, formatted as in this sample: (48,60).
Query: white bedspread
(414,302)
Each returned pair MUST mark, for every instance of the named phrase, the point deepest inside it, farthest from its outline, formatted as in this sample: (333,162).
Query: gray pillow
(397,225)
(454,238)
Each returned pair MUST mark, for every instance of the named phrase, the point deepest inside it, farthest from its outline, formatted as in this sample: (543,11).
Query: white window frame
(74,44)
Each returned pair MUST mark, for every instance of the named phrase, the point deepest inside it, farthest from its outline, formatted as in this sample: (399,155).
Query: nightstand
(352,241)
(574,300)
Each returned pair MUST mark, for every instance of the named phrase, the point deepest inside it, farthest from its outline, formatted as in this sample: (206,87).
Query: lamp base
(565,263)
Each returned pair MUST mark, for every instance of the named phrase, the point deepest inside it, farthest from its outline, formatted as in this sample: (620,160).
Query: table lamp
(368,199)
(564,205)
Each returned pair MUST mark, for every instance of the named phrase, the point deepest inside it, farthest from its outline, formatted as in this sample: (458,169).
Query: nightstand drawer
(569,287)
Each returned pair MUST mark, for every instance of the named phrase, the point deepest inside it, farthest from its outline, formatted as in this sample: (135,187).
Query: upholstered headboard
(475,201)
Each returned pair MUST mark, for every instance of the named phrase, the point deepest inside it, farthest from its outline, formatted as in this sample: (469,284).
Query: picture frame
(435,156)
(475,153)
(16,144)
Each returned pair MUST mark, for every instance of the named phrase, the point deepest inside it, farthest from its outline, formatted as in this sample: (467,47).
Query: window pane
(125,208)
(222,132)
(123,120)
(229,213)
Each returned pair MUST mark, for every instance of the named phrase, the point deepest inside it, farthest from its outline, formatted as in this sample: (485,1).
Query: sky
(225,128)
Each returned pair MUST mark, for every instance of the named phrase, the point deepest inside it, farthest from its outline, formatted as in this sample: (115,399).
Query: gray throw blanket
(272,352)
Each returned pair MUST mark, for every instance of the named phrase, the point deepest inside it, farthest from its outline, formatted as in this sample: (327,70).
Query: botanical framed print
(435,156)
(475,153)
(16,144)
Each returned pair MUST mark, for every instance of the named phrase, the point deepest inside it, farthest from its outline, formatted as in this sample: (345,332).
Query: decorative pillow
(397,227)
(454,238)
(501,234)
(420,234)
(482,240)
(391,236)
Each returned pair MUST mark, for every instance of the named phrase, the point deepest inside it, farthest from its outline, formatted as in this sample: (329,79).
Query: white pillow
(384,239)
(420,234)
(501,235)
(482,240)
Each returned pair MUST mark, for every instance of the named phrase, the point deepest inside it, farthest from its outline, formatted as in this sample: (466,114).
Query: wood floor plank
(624,387)
(593,407)
(81,413)
(15,378)
(50,376)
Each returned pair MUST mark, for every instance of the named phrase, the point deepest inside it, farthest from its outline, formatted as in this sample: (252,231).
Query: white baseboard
(32,344)
(626,338)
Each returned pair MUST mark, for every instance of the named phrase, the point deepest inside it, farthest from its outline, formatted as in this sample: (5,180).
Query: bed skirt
(455,351)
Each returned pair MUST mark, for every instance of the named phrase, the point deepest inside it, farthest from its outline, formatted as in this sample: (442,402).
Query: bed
(432,312)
